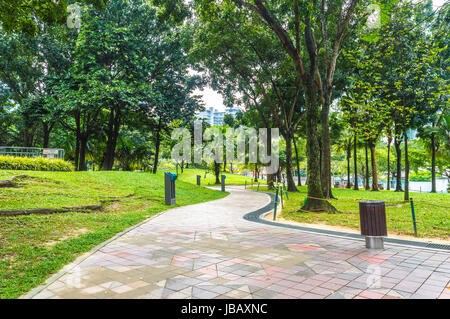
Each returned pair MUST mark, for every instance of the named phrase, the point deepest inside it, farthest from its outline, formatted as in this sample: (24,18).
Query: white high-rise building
(214,116)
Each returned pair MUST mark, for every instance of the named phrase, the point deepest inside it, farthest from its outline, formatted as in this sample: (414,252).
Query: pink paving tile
(322,291)
(209,270)
(296,278)
(339,281)
(445,293)
(303,287)
(277,288)
(322,278)
(311,296)
(374,259)
(180,258)
(280,275)
(262,278)
(294,292)
(238,261)
(259,283)
(282,296)
(231,277)
(312,282)
(370,294)
(259,230)
(270,270)
(304,247)
(287,283)
(331,285)
(121,254)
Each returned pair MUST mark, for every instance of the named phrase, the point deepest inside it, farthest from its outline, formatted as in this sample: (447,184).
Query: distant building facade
(214,116)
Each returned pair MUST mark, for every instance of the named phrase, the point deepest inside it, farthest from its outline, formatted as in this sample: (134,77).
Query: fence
(32,152)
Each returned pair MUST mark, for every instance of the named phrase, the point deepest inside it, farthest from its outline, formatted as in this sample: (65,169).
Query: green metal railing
(31,152)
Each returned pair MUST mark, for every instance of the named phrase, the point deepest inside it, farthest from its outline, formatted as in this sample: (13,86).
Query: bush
(166,164)
(420,176)
(34,164)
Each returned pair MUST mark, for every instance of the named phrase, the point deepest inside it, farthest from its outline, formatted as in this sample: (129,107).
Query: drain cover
(439,246)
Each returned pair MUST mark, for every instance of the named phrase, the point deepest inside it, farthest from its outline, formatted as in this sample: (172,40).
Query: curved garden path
(209,250)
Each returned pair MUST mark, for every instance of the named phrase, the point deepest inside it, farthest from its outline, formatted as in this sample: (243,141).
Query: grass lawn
(432,211)
(190,176)
(33,247)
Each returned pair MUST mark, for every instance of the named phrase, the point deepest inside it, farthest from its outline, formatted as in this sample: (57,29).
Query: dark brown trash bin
(372,216)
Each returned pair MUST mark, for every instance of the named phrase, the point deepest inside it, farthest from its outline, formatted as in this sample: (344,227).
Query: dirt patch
(73,234)
(114,206)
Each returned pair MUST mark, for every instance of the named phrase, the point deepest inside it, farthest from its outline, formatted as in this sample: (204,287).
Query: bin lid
(372,202)
(173,176)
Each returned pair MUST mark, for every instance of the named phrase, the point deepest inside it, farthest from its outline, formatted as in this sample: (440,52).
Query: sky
(213,99)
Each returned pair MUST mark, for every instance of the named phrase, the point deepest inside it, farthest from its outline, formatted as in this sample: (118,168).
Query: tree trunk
(290,179)
(113,134)
(398,151)
(315,189)
(157,144)
(374,166)
(355,187)
(349,154)
(83,147)
(433,163)
(77,143)
(46,130)
(367,169)
(77,152)
(299,178)
(363,171)
(270,177)
(406,197)
(326,152)
(217,172)
(389,163)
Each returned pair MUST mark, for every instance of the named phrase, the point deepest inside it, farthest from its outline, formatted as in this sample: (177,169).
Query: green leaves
(28,16)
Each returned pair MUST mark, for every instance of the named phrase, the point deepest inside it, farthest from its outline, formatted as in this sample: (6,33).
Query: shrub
(420,176)
(166,164)
(34,164)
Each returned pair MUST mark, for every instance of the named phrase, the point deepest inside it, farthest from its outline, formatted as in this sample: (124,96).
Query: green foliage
(420,176)
(34,164)
(27,16)
(190,176)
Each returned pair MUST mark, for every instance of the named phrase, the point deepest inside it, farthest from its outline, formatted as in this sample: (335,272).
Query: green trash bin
(169,187)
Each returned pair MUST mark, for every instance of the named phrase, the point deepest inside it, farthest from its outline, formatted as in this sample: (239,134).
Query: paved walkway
(209,251)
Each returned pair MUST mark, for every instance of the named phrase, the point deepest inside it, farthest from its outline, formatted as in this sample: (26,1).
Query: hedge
(34,164)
